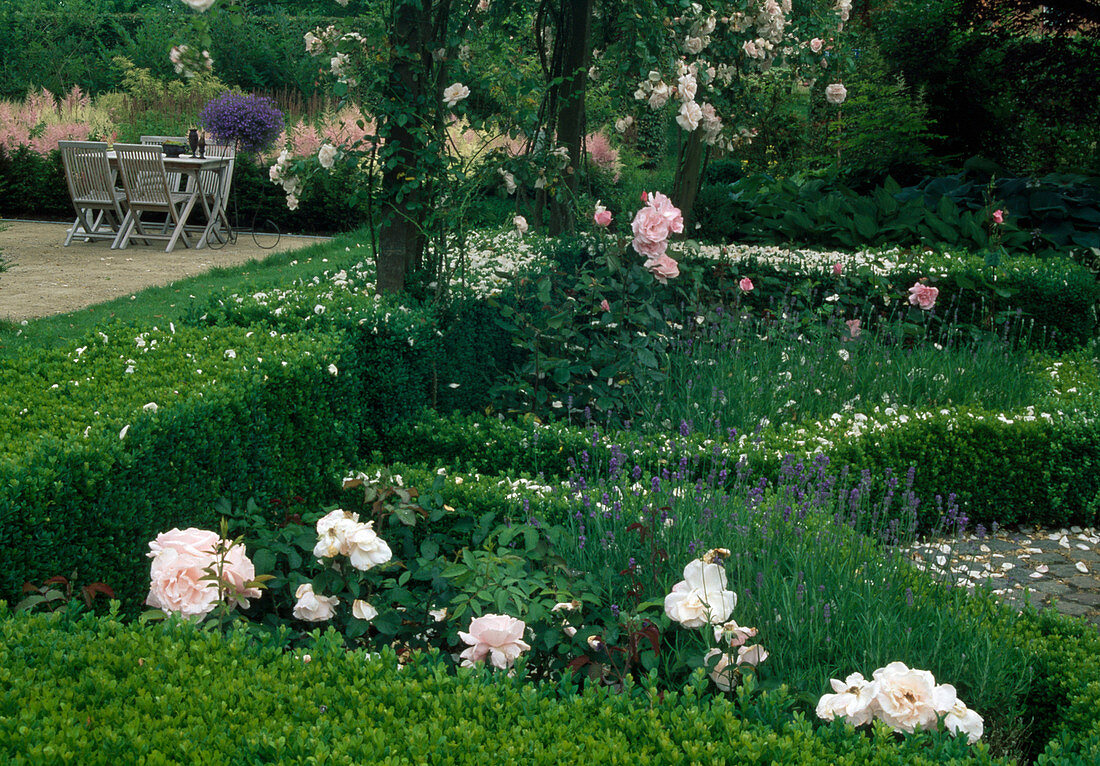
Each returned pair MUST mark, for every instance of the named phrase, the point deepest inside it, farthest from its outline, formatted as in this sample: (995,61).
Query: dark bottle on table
(193,140)
(202,144)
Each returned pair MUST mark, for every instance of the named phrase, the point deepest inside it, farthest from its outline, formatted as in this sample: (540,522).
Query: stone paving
(1049,567)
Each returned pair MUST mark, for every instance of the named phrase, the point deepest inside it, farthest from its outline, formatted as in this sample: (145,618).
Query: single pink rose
(746,285)
(663,268)
(645,198)
(838,269)
(923,295)
(602,218)
(604,305)
(816,44)
(496,636)
(180,560)
(854,327)
(651,231)
(668,211)
(998,216)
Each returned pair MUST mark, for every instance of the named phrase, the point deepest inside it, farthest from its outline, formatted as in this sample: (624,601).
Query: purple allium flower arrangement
(249,121)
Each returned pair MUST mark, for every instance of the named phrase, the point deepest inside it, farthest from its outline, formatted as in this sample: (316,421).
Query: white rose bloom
(337,63)
(454,93)
(701,597)
(962,719)
(199,5)
(509,180)
(693,45)
(311,607)
(687,87)
(291,202)
(361,610)
(366,549)
(689,116)
(326,155)
(835,93)
(275,173)
(654,76)
(520,223)
(751,655)
(905,697)
(623,123)
(332,533)
(721,672)
(854,700)
(659,96)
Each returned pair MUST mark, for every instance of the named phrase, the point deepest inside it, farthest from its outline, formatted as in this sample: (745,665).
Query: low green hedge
(90,500)
(93,690)
(1005,470)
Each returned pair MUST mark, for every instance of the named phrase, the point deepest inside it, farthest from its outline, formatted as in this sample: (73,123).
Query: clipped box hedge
(1024,471)
(94,690)
(90,493)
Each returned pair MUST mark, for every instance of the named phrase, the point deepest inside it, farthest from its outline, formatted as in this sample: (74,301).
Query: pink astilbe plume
(47,140)
(603,154)
(304,140)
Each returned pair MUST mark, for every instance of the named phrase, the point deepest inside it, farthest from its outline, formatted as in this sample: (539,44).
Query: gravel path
(44,278)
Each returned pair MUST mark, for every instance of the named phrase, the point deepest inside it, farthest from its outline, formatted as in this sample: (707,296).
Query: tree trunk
(689,174)
(401,236)
(575,32)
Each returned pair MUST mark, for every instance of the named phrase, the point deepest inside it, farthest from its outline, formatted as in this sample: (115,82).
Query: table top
(186,162)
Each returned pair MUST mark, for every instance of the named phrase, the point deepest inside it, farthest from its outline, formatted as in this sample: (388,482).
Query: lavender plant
(250,122)
(817,561)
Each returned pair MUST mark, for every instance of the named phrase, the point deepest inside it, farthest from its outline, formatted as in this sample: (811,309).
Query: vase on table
(193,140)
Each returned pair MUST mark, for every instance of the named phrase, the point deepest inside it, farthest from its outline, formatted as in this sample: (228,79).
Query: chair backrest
(143,175)
(210,180)
(87,171)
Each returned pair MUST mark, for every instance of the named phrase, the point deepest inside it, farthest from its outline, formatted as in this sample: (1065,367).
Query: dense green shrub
(1043,216)
(93,690)
(33,186)
(79,491)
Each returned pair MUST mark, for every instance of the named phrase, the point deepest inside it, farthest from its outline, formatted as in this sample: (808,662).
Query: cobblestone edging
(1048,567)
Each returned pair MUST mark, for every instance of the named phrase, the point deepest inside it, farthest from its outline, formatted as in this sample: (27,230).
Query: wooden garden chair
(91,182)
(173,178)
(147,191)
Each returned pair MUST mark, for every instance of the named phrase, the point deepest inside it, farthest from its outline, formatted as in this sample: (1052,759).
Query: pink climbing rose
(496,636)
(923,295)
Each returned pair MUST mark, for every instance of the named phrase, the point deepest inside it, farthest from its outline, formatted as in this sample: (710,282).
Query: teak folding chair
(173,178)
(147,191)
(211,181)
(97,202)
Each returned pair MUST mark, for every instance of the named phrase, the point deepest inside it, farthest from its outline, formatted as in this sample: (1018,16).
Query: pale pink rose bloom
(366,549)
(923,295)
(701,597)
(602,216)
(750,49)
(687,87)
(326,156)
(816,44)
(496,636)
(237,570)
(835,93)
(663,205)
(521,224)
(838,269)
(751,655)
(483,5)
(663,268)
(905,697)
(199,5)
(180,558)
(454,93)
(723,672)
(998,216)
(854,327)
(650,232)
(311,607)
(746,285)
(361,610)
(732,634)
(604,305)
(854,700)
